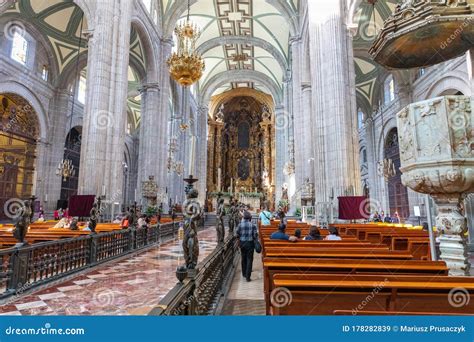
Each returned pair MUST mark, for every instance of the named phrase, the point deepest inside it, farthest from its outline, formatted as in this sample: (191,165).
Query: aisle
(246,298)
(131,286)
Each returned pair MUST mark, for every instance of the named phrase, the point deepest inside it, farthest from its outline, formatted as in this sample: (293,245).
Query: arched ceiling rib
(250,35)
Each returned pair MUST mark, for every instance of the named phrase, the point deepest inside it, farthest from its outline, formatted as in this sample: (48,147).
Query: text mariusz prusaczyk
(398,329)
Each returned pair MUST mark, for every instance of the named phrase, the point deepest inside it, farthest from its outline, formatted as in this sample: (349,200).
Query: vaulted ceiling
(60,23)
(369,19)
(255,20)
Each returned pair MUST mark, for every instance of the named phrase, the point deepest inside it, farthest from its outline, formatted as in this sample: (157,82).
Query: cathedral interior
(116,111)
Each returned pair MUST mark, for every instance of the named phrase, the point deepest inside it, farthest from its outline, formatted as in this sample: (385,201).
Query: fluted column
(211,150)
(281,148)
(105,112)
(201,152)
(148,163)
(334,105)
(307,133)
(218,152)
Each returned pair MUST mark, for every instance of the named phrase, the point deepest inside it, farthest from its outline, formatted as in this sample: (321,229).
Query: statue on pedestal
(193,213)
(24,221)
(231,216)
(220,221)
(94,215)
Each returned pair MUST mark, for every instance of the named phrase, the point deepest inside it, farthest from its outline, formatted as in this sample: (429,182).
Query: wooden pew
(339,253)
(272,266)
(321,294)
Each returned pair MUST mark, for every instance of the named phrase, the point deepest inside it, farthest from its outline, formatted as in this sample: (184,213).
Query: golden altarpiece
(241,147)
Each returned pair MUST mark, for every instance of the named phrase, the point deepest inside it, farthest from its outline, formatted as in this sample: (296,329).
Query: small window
(19,48)
(421,72)
(360,119)
(45,73)
(389,90)
(81,94)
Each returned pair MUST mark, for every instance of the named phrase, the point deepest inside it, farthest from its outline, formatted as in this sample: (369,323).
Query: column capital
(167,41)
(152,86)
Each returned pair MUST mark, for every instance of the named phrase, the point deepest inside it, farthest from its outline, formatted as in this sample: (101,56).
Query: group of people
(314,234)
(376,217)
(59,214)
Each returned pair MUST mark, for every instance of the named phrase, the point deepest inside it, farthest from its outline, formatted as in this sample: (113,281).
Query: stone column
(371,144)
(218,151)
(54,148)
(105,112)
(307,132)
(469,202)
(150,126)
(201,149)
(281,148)
(163,108)
(334,105)
(211,149)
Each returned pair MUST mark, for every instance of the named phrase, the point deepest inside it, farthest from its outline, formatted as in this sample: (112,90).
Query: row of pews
(375,269)
(44,231)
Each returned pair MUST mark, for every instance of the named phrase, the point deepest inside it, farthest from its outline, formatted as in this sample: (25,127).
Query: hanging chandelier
(65,169)
(186,65)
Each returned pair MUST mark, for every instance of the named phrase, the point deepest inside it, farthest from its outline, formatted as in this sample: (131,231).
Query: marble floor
(130,286)
(246,298)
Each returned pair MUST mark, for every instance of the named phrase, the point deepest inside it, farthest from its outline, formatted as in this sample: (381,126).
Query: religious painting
(243,169)
(244,135)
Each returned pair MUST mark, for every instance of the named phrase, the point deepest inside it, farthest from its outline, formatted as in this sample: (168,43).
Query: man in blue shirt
(265,217)
(280,234)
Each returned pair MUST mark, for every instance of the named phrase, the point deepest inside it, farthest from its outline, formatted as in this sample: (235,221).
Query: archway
(241,147)
(72,151)
(397,192)
(18,135)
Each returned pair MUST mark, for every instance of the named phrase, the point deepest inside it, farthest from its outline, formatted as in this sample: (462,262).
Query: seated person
(73,225)
(87,228)
(314,234)
(117,219)
(142,221)
(333,234)
(298,234)
(280,234)
(63,223)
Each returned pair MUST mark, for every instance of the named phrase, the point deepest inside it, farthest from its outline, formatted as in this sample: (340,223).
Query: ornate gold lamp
(185,65)
(425,32)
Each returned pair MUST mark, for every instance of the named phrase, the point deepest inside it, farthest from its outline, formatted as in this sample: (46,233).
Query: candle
(192,151)
(231,185)
(103,190)
(136,195)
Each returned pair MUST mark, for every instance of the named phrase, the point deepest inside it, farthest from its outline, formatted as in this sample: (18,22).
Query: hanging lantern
(185,65)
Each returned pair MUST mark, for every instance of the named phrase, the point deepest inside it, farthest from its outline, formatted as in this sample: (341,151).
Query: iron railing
(200,292)
(29,266)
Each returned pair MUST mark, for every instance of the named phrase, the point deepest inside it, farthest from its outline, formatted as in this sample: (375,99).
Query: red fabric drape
(81,205)
(353,207)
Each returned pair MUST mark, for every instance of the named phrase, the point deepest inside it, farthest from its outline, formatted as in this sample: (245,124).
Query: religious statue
(133,216)
(231,216)
(190,241)
(24,221)
(220,221)
(94,215)
(236,215)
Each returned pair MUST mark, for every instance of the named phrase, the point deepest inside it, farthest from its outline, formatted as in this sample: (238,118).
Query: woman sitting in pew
(314,234)
(333,234)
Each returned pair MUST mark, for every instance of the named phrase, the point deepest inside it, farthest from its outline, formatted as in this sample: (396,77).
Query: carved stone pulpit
(150,191)
(437,158)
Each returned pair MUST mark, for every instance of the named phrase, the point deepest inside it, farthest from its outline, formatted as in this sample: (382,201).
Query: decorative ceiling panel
(244,18)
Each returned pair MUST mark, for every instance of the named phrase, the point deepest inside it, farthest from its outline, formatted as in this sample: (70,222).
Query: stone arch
(388,126)
(452,82)
(39,37)
(240,76)
(16,88)
(149,49)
